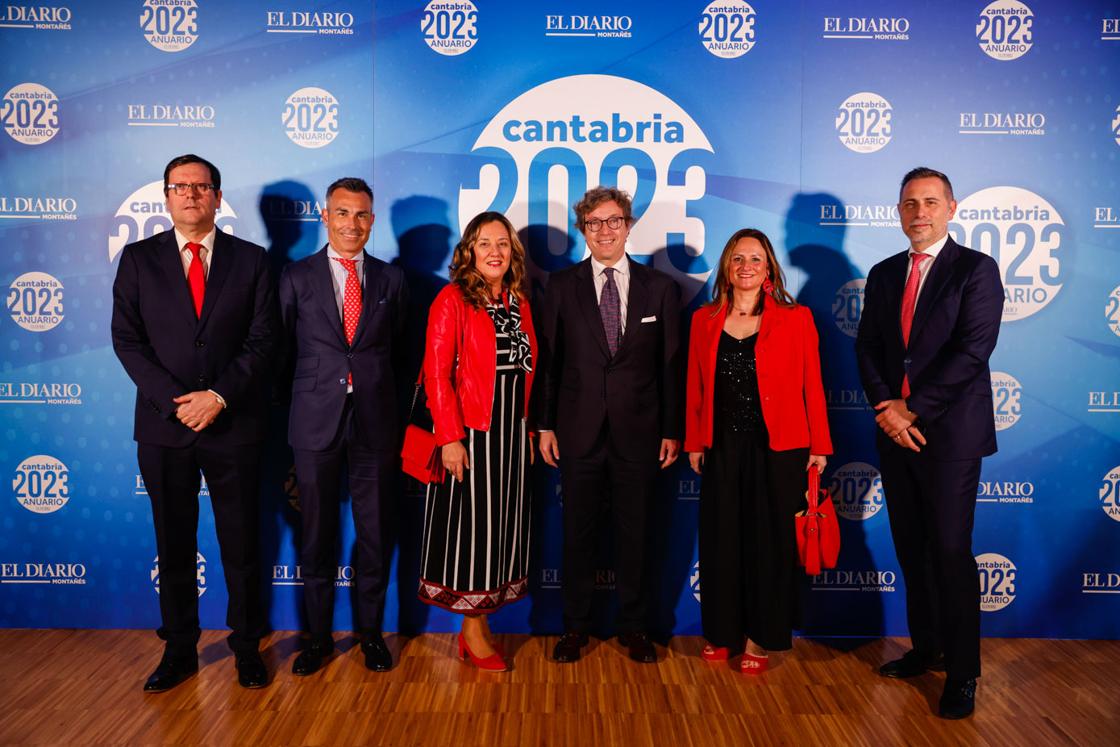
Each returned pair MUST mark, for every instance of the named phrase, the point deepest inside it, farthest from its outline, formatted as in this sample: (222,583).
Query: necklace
(740,312)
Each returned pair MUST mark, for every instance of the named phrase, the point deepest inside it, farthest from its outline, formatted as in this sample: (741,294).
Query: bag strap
(416,393)
(814,487)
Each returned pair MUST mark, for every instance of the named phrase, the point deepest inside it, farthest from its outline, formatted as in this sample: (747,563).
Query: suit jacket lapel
(935,283)
(221,264)
(172,264)
(894,281)
(635,302)
(371,275)
(586,301)
(322,287)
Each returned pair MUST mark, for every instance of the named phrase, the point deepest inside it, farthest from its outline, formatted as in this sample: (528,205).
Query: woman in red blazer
(478,372)
(755,420)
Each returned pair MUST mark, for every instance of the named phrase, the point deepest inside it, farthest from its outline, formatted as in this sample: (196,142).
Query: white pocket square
(648,319)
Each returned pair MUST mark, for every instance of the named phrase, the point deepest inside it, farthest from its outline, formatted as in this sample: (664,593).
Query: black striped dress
(475,548)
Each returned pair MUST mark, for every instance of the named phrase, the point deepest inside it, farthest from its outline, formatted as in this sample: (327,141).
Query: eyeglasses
(182,189)
(595,224)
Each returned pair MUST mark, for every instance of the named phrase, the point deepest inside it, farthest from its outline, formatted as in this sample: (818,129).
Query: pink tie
(909,301)
(196,277)
(351,303)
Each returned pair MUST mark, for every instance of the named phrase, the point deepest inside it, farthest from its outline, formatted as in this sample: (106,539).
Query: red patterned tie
(351,303)
(909,301)
(196,276)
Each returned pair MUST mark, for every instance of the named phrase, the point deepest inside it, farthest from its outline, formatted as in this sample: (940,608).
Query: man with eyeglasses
(195,325)
(343,312)
(608,411)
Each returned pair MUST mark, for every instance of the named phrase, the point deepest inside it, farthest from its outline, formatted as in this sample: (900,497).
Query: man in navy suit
(609,401)
(195,326)
(343,312)
(930,320)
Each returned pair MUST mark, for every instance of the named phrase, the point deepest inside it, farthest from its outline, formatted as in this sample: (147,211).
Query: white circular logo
(143,214)
(694,580)
(997,581)
(1004,30)
(41,484)
(863,122)
(1110,493)
(847,306)
(857,491)
(1112,310)
(727,28)
(29,112)
(450,27)
(35,301)
(310,117)
(1023,233)
(169,25)
(1006,395)
(544,149)
(200,573)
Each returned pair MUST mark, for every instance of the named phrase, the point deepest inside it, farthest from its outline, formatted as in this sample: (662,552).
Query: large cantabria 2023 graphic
(545,148)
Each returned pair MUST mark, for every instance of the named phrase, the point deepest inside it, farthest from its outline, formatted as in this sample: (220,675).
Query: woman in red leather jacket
(478,372)
(755,420)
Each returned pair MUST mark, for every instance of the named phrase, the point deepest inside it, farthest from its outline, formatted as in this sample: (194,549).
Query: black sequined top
(738,407)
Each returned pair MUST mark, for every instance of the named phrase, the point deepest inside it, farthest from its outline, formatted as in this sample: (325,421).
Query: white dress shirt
(621,281)
(206,253)
(932,250)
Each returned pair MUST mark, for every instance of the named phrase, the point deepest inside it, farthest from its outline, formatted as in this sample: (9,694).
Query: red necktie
(351,303)
(909,301)
(196,276)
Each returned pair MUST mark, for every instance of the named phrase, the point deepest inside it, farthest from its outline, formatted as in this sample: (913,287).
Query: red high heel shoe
(714,653)
(492,663)
(751,664)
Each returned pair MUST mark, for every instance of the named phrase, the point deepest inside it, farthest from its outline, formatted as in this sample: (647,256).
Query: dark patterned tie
(609,309)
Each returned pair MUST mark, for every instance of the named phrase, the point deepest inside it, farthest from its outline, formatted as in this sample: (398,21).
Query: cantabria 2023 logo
(540,153)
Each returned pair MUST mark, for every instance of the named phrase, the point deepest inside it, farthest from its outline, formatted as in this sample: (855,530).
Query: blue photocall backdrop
(796,118)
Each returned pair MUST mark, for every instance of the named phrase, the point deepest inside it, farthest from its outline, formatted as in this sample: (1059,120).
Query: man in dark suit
(609,400)
(930,320)
(343,311)
(195,326)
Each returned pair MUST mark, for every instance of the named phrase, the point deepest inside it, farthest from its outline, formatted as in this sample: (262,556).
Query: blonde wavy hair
(465,275)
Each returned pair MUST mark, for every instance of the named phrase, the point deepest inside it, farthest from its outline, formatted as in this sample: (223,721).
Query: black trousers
(171,477)
(931,505)
(370,475)
(587,483)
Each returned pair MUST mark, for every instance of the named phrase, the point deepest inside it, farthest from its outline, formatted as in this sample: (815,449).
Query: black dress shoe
(911,664)
(251,671)
(170,673)
(378,658)
(311,659)
(641,648)
(958,699)
(568,647)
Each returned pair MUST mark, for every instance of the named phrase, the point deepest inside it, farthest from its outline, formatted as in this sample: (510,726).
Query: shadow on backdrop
(818,251)
(422,227)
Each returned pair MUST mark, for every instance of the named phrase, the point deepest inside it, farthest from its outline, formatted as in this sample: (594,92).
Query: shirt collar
(934,249)
(207,241)
(335,255)
(622,266)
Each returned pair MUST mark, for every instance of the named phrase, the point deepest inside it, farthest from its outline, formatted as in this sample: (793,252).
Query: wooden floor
(62,687)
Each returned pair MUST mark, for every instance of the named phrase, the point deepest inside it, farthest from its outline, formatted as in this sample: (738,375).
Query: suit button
(349,355)
(199,344)
(201,379)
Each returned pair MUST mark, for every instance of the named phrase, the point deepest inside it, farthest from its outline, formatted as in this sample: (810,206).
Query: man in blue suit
(195,327)
(930,320)
(343,311)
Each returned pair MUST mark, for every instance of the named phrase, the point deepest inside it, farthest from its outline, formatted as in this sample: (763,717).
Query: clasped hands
(196,410)
(897,422)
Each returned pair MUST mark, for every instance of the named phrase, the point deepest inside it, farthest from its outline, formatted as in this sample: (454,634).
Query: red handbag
(420,454)
(818,531)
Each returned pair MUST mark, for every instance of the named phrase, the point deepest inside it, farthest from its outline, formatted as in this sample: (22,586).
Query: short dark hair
(183,160)
(350,184)
(924,172)
(593,198)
